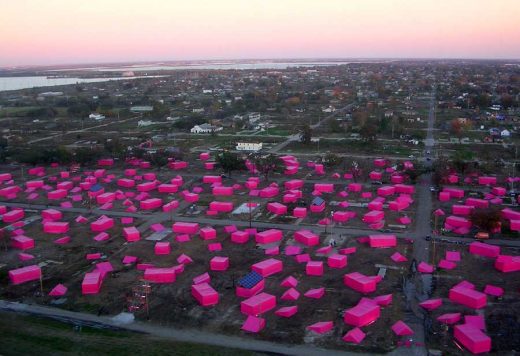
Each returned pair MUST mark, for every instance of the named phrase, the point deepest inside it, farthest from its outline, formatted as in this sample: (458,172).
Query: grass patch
(29,335)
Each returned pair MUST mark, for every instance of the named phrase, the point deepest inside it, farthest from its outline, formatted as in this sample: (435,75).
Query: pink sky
(77,31)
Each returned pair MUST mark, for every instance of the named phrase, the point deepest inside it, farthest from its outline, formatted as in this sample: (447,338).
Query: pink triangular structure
(58,291)
(450,318)
(25,256)
(315,293)
(321,327)
(453,256)
(425,268)
(289,282)
(431,304)
(401,329)
(290,294)
(397,257)
(253,324)
(129,260)
(493,290)
(184,259)
(445,264)
(383,300)
(287,312)
(355,336)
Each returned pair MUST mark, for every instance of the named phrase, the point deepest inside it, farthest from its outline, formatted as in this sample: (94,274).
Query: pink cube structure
(253,324)
(300,212)
(204,294)
(55,227)
(52,214)
(321,327)
(131,234)
(360,283)
(91,283)
(472,338)
(506,263)
(22,242)
(160,275)
(25,274)
(314,268)
(219,263)
(258,304)
(337,261)
(268,267)
(185,228)
(268,236)
(162,248)
(150,204)
(102,224)
(482,249)
(13,216)
(468,297)
(364,313)
(382,241)
(208,233)
(240,237)
(355,336)
(307,237)
(221,206)
(277,208)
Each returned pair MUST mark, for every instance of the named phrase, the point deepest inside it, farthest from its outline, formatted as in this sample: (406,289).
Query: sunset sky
(77,31)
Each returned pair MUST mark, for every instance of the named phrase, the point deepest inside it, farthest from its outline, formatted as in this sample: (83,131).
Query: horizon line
(277,59)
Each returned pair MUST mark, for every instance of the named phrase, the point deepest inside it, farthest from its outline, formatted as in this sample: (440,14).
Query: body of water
(17,83)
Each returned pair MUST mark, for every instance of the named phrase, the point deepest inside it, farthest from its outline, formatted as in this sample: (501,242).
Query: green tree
(266,163)
(306,135)
(229,162)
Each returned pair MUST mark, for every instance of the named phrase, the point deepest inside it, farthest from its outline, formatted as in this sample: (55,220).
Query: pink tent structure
(58,291)
(91,283)
(316,293)
(397,257)
(364,313)
(204,294)
(286,312)
(185,228)
(160,275)
(431,304)
(337,261)
(290,294)
(306,237)
(355,336)
(472,338)
(506,263)
(401,329)
(269,236)
(277,208)
(268,267)
(25,274)
(22,242)
(424,267)
(55,227)
(162,248)
(450,318)
(493,290)
(208,233)
(219,263)
(360,283)
(468,297)
(253,324)
(131,234)
(258,304)
(321,327)
(485,250)
(314,268)
(289,282)
(382,241)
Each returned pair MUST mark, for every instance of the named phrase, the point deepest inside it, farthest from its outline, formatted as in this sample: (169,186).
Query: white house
(96,117)
(249,146)
(205,128)
(143,123)
(505,133)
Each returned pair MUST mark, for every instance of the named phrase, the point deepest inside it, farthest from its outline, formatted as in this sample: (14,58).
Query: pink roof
(355,335)
(253,324)
(431,304)
(450,318)
(493,290)
(287,312)
(401,329)
(321,327)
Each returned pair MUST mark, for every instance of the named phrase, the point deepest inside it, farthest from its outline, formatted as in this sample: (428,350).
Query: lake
(16,83)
